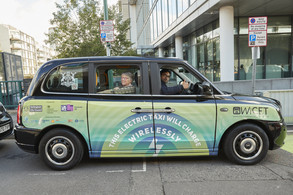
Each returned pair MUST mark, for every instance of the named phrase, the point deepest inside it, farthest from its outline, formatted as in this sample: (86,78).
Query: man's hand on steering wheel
(185,85)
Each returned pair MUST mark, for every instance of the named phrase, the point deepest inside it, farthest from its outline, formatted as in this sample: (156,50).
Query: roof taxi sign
(257,31)
(107,30)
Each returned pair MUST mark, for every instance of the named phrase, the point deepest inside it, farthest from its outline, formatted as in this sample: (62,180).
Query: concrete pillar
(179,47)
(161,52)
(227,43)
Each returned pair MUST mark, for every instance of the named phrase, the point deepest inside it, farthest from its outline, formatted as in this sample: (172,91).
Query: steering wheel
(196,88)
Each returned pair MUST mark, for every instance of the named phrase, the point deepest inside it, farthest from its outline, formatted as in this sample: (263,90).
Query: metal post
(1,94)
(254,58)
(108,45)
(20,89)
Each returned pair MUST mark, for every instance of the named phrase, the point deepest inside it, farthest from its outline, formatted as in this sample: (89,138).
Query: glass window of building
(159,16)
(204,51)
(155,19)
(179,8)
(151,4)
(165,14)
(172,11)
(278,56)
(192,1)
(185,5)
(281,24)
(152,26)
(245,60)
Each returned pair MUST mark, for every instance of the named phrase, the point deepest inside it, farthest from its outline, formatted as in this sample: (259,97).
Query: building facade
(19,43)
(212,35)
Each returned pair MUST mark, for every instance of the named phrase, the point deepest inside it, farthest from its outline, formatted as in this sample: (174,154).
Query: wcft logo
(250,110)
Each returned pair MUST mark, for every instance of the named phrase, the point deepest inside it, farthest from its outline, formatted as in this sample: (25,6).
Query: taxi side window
(71,78)
(177,80)
(178,74)
(118,79)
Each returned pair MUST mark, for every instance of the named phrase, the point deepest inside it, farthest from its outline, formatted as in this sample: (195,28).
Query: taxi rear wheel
(246,144)
(61,149)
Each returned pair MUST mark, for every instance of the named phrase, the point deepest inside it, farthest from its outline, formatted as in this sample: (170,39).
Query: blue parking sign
(103,35)
(252,37)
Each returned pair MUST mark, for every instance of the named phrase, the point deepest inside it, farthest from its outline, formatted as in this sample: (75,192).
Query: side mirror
(207,89)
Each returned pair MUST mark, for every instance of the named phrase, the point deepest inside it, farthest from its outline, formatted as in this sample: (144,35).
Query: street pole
(254,57)
(108,45)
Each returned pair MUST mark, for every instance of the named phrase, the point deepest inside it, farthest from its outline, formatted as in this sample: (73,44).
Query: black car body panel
(6,123)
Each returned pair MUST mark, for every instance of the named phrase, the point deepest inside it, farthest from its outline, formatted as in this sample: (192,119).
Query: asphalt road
(24,173)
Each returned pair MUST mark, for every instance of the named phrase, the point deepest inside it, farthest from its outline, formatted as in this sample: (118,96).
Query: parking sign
(257,31)
(107,30)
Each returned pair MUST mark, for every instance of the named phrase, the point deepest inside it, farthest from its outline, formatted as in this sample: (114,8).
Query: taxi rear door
(120,124)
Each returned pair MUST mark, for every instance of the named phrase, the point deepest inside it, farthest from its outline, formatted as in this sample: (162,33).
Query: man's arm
(165,90)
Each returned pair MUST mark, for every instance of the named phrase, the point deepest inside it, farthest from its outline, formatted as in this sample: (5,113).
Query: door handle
(139,110)
(167,110)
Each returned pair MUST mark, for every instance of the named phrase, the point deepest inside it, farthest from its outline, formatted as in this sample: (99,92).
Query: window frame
(156,78)
(143,66)
(65,93)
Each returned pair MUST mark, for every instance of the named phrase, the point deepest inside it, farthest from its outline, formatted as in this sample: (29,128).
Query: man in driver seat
(165,90)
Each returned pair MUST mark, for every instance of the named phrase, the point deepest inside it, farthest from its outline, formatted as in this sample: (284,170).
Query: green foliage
(121,46)
(76,30)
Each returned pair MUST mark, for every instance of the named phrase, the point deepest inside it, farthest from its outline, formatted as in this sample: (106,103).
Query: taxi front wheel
(246,144)
(61,149)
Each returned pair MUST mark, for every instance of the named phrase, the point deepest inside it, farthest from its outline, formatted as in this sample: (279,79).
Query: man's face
(165,77)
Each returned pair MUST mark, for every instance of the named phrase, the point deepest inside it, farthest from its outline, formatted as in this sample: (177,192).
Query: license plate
(4,128)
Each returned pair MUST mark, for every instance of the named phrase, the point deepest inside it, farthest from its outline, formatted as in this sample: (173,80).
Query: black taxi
(140,107)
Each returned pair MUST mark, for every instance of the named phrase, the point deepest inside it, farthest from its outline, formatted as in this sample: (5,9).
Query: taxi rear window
(118,79)
(70,78)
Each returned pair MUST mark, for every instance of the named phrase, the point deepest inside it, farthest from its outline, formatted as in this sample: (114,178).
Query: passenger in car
(126,82)
(175,90)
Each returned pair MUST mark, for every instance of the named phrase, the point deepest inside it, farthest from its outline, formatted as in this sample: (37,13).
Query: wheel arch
(255,122)
(77,133)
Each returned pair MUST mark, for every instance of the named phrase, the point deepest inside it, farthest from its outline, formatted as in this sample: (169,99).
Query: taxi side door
(184,123)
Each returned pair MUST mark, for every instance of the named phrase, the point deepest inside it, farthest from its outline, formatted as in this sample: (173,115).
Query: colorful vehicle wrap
(71,106)
(111,129)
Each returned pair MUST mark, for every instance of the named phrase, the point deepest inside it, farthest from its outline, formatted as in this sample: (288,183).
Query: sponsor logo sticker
(36,108)
(250,111)
(66,108)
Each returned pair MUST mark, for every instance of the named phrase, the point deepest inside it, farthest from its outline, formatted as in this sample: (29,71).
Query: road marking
(47,174)
(117,171)
(143,167)
(134,171)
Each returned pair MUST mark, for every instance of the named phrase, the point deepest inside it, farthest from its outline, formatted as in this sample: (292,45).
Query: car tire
(61,149)
(246,144)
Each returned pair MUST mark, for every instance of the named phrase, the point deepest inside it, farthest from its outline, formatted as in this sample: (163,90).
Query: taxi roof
(112,58)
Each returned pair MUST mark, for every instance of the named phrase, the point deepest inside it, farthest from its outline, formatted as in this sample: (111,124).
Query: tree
(121,45)
(76,30)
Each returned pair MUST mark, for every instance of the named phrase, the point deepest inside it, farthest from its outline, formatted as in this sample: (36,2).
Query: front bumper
(277,132)
(27,138)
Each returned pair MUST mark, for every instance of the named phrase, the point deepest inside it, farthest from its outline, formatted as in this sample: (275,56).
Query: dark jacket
(165,90)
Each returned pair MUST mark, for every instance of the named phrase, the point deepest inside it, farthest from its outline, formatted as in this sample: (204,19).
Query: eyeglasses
(165,75)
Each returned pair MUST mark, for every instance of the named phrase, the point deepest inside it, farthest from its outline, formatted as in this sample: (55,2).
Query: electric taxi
(115,107)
